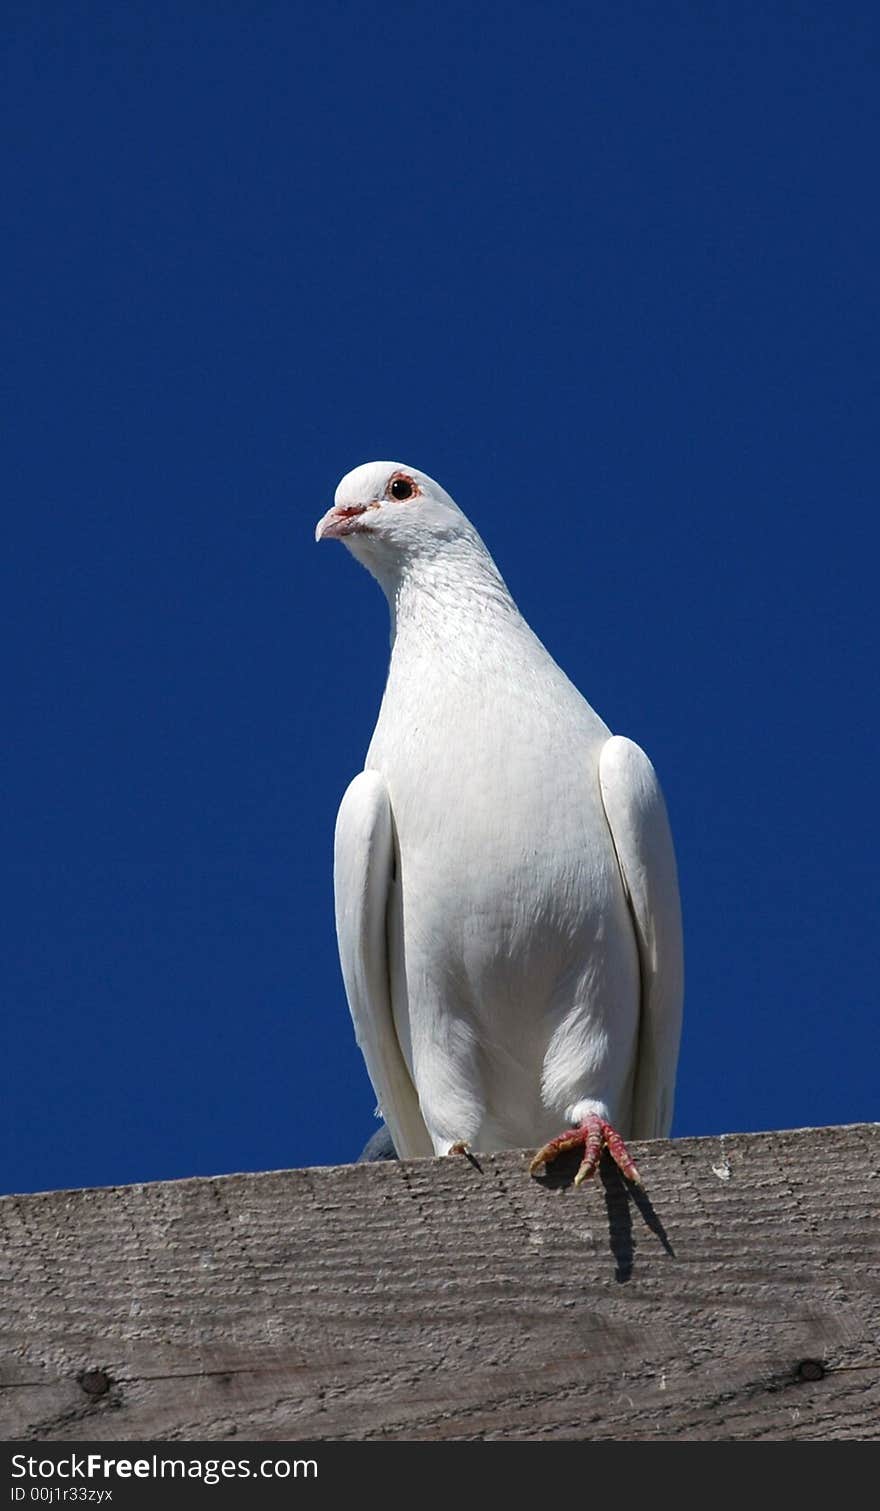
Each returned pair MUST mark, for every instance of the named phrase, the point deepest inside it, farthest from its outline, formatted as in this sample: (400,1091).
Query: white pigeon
(507,902)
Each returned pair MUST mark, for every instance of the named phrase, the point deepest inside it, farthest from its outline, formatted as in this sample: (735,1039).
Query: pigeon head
(389,514)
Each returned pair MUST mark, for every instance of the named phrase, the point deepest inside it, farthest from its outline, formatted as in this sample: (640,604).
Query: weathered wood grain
(433,1300)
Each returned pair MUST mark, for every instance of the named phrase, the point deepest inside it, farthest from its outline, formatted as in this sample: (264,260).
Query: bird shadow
(621,1195)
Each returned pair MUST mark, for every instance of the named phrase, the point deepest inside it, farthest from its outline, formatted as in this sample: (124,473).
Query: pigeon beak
(339,521)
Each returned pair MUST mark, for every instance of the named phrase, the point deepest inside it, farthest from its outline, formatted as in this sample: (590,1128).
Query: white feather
(639,826)
(363,865)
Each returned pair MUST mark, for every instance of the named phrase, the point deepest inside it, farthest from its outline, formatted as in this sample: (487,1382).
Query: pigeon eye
(402,488)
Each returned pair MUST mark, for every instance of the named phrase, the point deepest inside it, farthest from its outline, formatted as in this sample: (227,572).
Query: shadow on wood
(737,1298)
(619,1194)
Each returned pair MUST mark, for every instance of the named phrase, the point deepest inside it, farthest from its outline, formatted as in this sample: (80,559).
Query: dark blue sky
(608,272)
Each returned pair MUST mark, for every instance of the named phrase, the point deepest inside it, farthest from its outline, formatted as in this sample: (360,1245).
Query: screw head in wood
(94,1382)
(810,1369)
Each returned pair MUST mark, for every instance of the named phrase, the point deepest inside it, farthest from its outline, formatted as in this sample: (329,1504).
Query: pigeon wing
(363,868)
(636,815)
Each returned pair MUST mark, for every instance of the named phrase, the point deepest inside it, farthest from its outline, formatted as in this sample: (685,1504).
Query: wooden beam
(431,1299)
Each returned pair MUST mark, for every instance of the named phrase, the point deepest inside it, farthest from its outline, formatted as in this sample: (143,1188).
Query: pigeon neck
(435,596)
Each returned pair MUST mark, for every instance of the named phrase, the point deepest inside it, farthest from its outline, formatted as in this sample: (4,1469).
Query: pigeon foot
(594,1135)
(462,1147)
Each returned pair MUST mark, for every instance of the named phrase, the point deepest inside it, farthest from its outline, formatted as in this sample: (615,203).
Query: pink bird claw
(593,1135)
